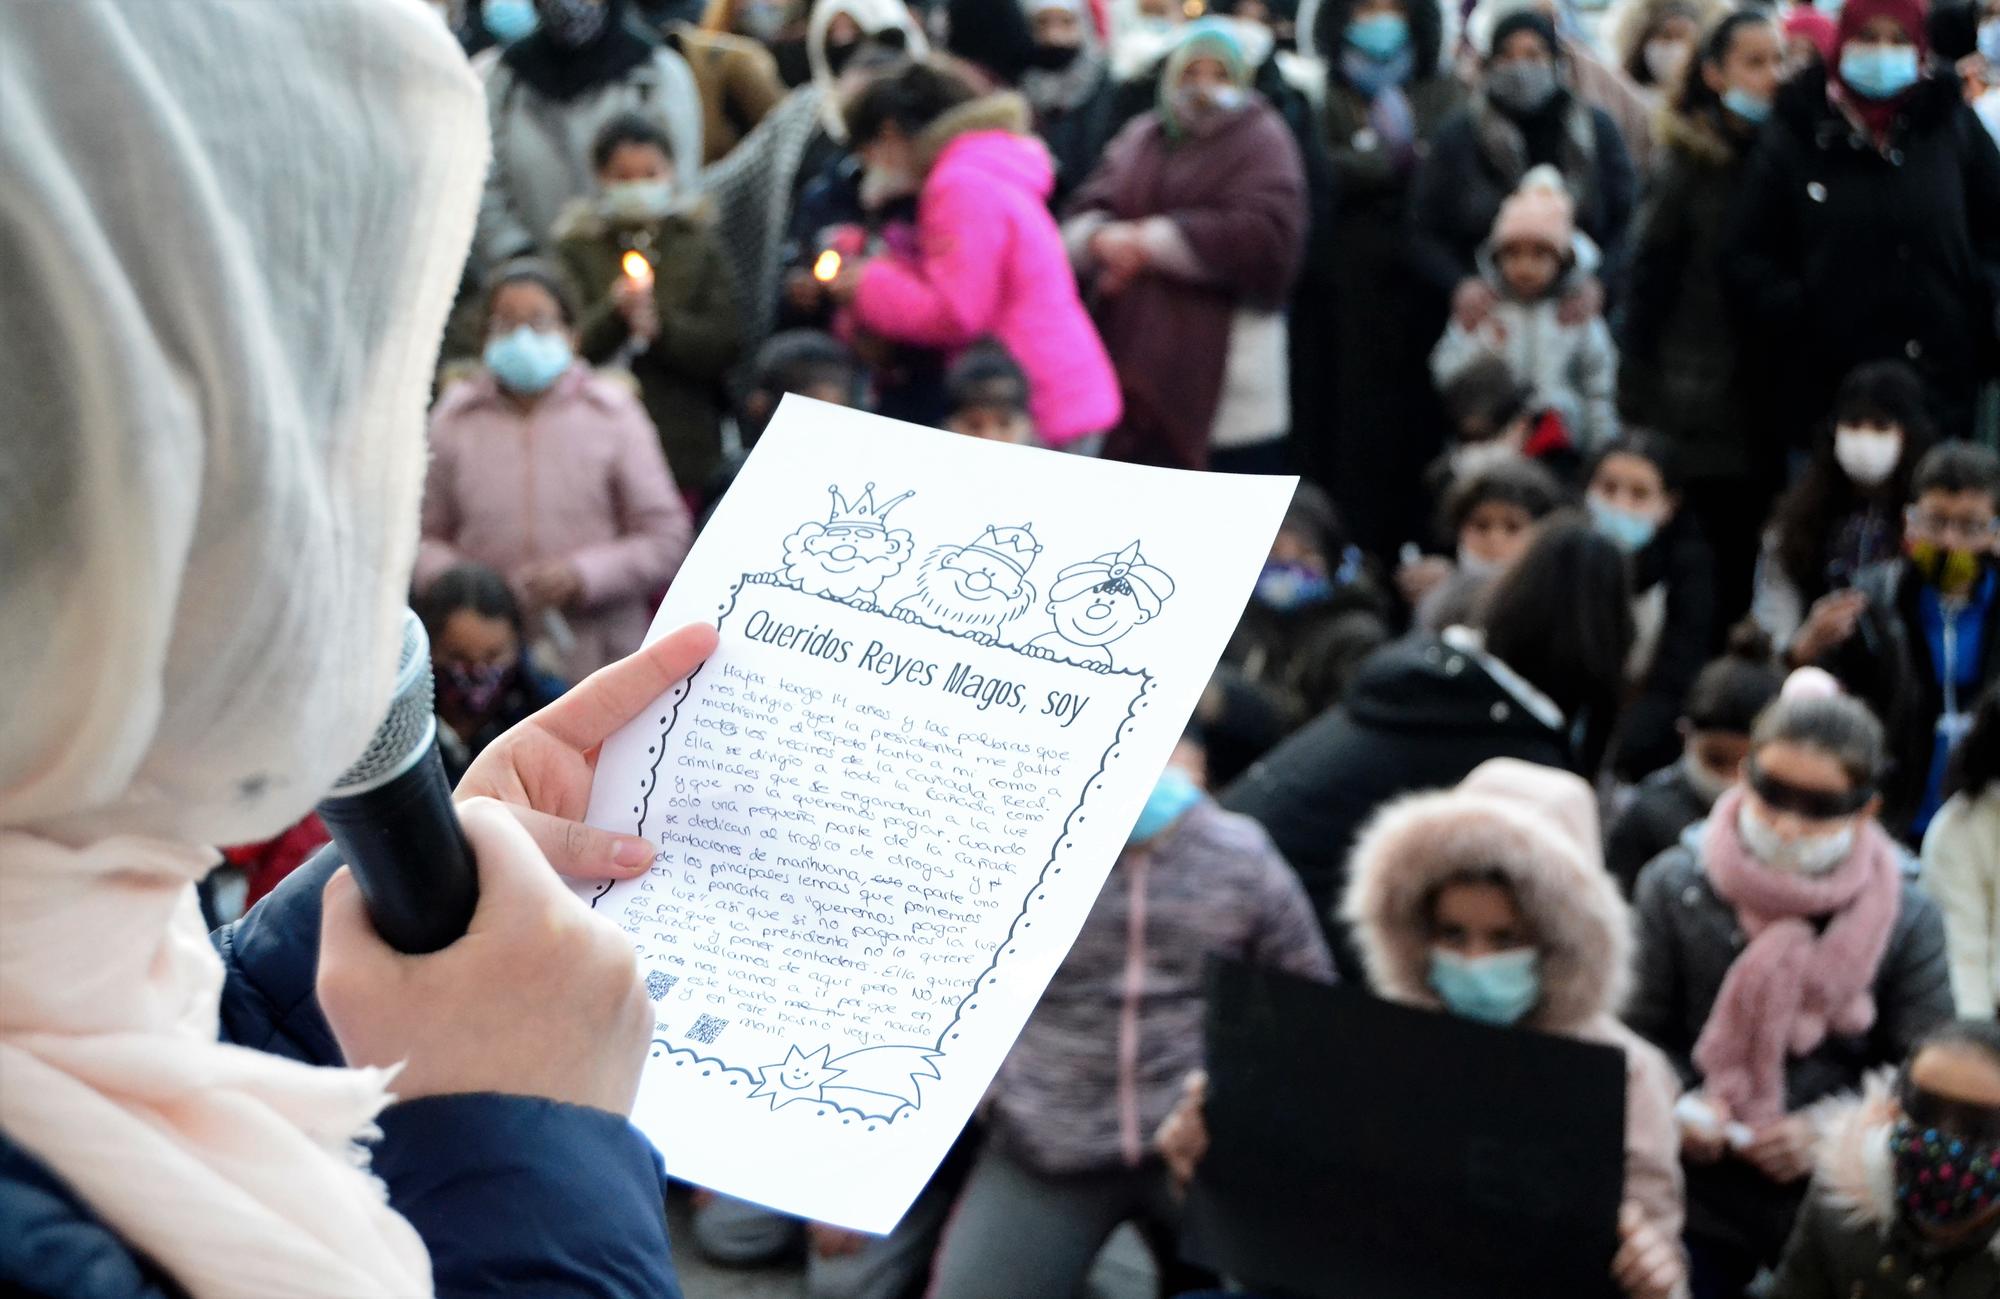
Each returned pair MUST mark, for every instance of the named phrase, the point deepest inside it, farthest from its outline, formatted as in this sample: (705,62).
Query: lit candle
(638,269)
(827,268)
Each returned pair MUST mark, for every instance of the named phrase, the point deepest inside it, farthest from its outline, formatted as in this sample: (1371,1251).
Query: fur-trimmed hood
(1700,138)
(1005,111)
(1856,1174)
(1535,825)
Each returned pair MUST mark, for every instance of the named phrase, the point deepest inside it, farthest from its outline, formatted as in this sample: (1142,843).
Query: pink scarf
(1791,986)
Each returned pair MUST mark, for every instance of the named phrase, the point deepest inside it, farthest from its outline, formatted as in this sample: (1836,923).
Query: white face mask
(1866,455)
(1703,779)
(1470,458)
(1477,566)
(1665,59)
(639,200)
(1813,854)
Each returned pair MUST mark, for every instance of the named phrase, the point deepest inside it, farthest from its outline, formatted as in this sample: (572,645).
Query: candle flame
(827,267)
(637,268)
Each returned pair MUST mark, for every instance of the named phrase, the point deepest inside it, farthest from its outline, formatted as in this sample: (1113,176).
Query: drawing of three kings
(974,589)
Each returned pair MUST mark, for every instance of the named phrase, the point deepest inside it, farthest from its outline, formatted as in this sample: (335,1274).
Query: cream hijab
(229,235)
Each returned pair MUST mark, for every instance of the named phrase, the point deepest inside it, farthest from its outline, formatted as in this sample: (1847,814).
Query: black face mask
(1054,58)
(838,56)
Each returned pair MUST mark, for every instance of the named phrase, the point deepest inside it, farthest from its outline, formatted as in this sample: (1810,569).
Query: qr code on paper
(707,1029)
(659,983)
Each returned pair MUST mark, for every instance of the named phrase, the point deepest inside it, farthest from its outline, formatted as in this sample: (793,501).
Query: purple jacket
(991,263)
(581,478)
(1102,1060)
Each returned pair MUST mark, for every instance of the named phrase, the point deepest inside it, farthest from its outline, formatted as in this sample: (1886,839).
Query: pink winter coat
(580,477)
(1538,828)
(991,263)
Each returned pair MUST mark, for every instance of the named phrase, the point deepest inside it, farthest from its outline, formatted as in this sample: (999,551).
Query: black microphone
(392,819)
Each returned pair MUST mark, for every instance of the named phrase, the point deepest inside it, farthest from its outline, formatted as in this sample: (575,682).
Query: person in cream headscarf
(224,295)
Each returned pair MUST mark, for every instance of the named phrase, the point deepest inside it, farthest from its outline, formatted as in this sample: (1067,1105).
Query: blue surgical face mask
(527,361)
(509,20)
(1285,587)
(1751,108)
(1497,989)
(1630,531)
(1379,36)
(1879,71)
(1989,41)
(1173,794)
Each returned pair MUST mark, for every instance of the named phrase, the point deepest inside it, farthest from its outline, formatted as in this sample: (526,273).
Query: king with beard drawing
(848,557)
(975,590)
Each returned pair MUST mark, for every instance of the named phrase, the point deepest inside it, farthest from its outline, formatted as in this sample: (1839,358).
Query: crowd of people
(1626,668)
(1635,623)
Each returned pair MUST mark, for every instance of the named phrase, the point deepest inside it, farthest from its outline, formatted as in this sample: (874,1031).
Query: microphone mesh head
(406,733)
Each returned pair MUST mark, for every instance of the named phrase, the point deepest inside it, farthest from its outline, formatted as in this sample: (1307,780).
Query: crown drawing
(1014,547)
(862,511)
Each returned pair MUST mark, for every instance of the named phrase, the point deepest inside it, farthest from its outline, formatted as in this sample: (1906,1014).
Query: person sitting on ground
(1714,728)
(990,397)
(1489,516)
(486,680)
(1906,1200)
(1782,955)
(1927,642)
(1490,901)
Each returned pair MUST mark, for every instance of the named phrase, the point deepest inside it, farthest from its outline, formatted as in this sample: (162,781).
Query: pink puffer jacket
(991,263)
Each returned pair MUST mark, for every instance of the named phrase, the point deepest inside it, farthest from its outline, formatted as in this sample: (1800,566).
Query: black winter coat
(1681,371)
(1664,805)
(1842,253)
(1420,715)
(1678,561)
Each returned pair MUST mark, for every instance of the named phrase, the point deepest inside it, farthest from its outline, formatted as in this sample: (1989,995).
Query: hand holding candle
(633,296)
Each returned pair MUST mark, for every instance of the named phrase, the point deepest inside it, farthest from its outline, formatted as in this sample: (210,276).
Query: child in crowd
(1907,1197)
(553,476)
(1962,865)
(1314,615)
(1533,257)
(1071,1114)
(807,362)
(1844,513)
(1489,518)
(1927,641)
(1490,901)
(989,261)
(675,323)
(1492,412)
(1782,956)
(479,658)
(1714,728)
(989,396)
(1634,496)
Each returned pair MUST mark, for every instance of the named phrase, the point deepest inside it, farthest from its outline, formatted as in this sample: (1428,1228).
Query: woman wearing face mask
(1189,237)
(1490,901)
(1679,369)
(1655,39)
(1070,88)
(1386,98)
(552,476)
(1844,514)
(1541,662)
(1100,1063)
(1868,226)
(1634,497)
(549,95)
(1907,1196)
(1523,115)
(1781,957)
(485,680)
(1714,729)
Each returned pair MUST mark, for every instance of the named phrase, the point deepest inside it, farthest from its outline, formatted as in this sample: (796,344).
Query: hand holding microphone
(539,997)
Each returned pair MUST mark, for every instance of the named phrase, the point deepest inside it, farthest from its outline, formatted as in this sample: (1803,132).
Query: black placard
(1363,1150)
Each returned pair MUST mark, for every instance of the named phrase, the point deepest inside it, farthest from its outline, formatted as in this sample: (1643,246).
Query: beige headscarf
(229,234)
